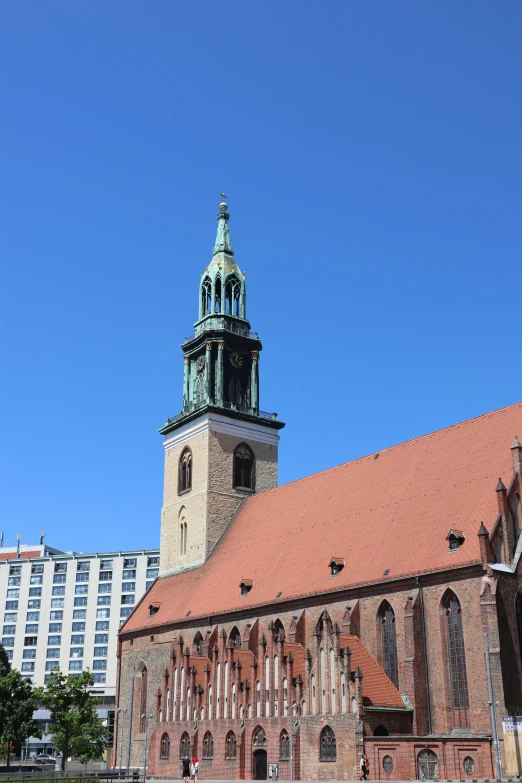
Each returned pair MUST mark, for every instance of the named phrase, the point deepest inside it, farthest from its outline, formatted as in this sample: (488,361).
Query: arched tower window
(206,297)
(197,644)
(388,642)
(217,295)
(165,746)
(233,296)
(143,699)
(182,531)
(456,651)
(185,471)
(244,467)
(327,745)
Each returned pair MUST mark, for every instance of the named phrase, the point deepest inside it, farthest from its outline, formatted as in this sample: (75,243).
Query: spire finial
(223,243)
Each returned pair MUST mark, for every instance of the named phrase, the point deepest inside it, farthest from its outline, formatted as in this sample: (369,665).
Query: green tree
(74,726)
(5,666)
(18,700)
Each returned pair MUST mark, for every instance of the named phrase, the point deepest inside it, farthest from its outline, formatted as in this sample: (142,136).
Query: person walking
(364,765)
(185,764)
(194,770)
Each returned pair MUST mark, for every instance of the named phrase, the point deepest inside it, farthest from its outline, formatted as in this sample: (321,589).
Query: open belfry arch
(342,613)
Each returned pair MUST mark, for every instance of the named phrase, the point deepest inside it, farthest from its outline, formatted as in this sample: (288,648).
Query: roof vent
(455,538)
(188,613)
(336,564)
(279,595)
(386,572)
(246,585)
(153,608)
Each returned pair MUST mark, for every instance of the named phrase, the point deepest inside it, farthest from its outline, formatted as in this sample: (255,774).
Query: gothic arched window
(197,644)
(143,699)
(244,467)
(184,746)
(206,297)
(234,640)
(285,745)
(182,531)
(327,745)
(217,295)
(165,746)
(232,296)
(259,736)
(185,471)
(456,651)
(230,745)
(386,620)
(208,746)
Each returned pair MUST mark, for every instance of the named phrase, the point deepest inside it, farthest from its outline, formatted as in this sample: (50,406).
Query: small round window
(469,765)
(387,764)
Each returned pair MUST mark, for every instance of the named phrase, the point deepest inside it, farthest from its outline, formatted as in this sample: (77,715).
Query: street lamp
(123,711)
(146,718)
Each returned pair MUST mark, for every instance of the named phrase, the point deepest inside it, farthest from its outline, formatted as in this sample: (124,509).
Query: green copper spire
(223,243)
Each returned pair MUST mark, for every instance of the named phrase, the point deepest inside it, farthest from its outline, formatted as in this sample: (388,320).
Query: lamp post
(293,725)
(123,712)
(492,711)
(146,718)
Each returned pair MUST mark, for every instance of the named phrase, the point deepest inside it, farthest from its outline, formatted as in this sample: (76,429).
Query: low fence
(42,776)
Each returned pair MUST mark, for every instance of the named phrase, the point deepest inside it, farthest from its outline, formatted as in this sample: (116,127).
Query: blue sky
(372,159)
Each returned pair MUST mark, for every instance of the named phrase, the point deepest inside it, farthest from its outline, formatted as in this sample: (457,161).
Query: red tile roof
(23,556)
(377,689)
(390,510)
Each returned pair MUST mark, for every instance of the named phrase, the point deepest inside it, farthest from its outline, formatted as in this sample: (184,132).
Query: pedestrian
(185,764)
(194,770)
(364,765)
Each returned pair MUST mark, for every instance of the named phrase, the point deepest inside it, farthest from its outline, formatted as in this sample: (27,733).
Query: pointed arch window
(244,467)
(197,644)
(165,746)
(217,295)
(206,297)
(456,652)
(233,296)
(327,745)
(234,640)
(386,621)
(259,737)
(230,745)
(285,745)
(182,531)
(185,471)
(143,699)
(184,746)
(208,746)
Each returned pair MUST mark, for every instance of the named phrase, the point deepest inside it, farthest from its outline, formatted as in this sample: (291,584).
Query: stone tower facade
(221,447)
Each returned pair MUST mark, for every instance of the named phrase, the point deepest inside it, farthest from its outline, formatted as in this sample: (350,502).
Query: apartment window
(15,569)
(56,615)
(55,627)
(104,600)
(80,600)
(128,599)
(103,614)
(11,606)
(9,629)
(59,590)
(35,592)
(105,564)
(100,652)
(82,576)
(34,603)
(75,666)
(9,655)
(79,614)
(37,568)
(54,641)
(101,638)
(105,576)
(153,561)
(81,589)
(31,628)
(57,603)
(36,580)
(125,611)
(29,654)
(152,573)
(53,652)
(59,579)
(129,573)
(105,587)
(78,627)
(128,587)
(10,618)
(130,562)
(78,638)
(28,666)
(102,625)
(60,568)
(8,641)
(148,585)
(33,617)
(97,665)
(14,593)
(30,641)
(76,652)
(84,565)
(50,665)
(14,581)
(99,677)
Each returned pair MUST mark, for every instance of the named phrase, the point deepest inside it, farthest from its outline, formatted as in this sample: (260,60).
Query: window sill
(245,489)
(184,491)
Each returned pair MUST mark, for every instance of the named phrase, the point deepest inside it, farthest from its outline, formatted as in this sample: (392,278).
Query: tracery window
(206,297)
(456,652)
(233,296)
(230,745)
(386,619)
(327,745)
(182,531)
(217,295)
(285,745)
(185,471)
(184,746)
(143,699)
(244,467)
(165,746)
(259,737)
(208,746)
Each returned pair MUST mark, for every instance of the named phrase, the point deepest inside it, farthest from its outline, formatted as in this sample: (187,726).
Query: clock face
(236,360)
(200,363)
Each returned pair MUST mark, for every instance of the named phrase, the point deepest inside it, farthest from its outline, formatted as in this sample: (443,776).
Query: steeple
(223,243)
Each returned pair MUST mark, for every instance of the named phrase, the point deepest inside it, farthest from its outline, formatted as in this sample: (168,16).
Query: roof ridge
(387,448)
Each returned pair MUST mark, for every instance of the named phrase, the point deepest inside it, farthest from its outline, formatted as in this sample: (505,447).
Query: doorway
(428,765)
(260,764)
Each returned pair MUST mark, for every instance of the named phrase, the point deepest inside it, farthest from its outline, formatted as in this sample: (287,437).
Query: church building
(348,612)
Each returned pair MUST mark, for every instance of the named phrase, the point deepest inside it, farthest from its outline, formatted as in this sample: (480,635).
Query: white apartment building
(63,609)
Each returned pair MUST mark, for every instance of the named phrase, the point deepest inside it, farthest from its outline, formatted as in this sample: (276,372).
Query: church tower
(221,447)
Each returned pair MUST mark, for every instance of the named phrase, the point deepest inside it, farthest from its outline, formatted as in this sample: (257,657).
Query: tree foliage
(18,700)
(74,726)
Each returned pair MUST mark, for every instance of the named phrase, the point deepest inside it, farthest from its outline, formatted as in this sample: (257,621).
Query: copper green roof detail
(223,243)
